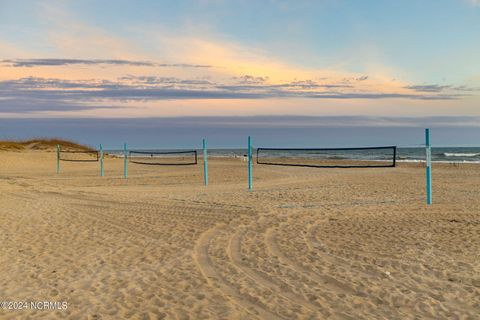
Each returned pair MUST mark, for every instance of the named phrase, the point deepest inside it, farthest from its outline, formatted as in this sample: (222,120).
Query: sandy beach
(306,243)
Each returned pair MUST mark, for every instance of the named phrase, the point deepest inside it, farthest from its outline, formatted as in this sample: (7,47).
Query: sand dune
(305,244)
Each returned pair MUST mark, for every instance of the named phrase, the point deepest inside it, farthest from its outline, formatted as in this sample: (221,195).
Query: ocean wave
(440,161)
(448,154)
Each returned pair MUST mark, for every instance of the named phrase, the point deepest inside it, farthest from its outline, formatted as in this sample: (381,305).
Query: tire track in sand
(215,280)
(334,284)
(234,253)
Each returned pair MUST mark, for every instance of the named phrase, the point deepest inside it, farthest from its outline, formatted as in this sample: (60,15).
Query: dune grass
(40,144)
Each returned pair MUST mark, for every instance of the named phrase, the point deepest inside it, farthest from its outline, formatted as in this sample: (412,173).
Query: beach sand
(304,244)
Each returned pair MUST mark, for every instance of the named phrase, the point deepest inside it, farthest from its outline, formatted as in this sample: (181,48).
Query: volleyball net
(368,157)
(79,155)
(163,158)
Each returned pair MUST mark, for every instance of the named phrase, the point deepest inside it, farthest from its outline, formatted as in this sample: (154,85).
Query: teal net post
(58,159)
(250,178)
(428,150)
(205,163)
(101,161)
(125,161)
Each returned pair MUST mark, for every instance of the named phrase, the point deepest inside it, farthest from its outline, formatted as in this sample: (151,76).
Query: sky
(245,64)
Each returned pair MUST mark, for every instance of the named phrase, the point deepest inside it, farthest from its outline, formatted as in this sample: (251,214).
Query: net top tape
(162,152)
(329,149)
(79,151)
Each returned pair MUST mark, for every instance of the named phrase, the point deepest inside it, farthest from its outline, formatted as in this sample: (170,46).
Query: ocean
(439,154)
(450,155)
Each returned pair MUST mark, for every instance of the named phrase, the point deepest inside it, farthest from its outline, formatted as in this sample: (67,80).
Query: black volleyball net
(368,157)
(163,158)
(79,155)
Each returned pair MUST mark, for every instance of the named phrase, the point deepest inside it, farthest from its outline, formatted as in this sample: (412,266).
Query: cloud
(151,87)
(427,88)
(116,62)
(50,94)
(248,79)
(439,88)
(153,80)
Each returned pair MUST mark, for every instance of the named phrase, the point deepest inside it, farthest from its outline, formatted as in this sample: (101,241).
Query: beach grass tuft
(41,144)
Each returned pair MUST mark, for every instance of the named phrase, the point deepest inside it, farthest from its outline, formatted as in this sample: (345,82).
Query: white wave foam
(448,154)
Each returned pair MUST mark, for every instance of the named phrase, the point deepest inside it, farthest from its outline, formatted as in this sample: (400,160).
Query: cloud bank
(114,62)
(440,88)
(51,94)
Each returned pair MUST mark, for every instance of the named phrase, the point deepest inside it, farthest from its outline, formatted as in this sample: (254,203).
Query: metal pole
(205,163)
(125,161)
(250,178)
(428,151)
(101,161)
(58,159)
(394,156)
